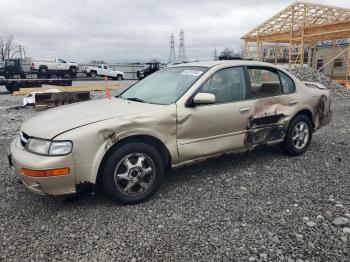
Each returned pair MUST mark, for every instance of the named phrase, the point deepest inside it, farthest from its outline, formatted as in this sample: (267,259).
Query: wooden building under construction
(295,36)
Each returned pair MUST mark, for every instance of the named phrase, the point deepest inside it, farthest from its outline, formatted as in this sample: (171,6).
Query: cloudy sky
(133,30)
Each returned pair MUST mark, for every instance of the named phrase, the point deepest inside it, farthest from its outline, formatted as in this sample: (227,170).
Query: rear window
(288,85)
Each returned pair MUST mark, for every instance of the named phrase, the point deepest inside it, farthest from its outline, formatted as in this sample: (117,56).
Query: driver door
(205,130)
(61,64)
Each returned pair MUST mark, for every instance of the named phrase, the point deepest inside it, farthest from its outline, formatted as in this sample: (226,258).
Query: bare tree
(229,54)
(8,49)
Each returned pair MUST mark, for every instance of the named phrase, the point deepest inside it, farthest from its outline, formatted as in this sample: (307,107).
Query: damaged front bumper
(20,158)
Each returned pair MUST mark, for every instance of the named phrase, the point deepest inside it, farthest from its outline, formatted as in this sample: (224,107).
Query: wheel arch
(147,139)
(43,67)
(306,112)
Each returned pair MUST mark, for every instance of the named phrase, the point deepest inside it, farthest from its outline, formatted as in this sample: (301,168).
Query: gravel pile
(261,206)
(310,74)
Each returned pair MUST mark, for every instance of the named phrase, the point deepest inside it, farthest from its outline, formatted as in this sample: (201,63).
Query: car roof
(209,64)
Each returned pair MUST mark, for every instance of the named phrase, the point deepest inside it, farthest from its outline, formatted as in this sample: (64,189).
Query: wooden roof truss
(300,25)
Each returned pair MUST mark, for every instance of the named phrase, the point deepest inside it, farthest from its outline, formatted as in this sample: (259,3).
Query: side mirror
(204,99)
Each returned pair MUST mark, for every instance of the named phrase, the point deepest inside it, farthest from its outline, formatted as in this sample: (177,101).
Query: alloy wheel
(300,135)
(134,174)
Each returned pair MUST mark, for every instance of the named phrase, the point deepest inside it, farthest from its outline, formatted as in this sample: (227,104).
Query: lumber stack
(26,91)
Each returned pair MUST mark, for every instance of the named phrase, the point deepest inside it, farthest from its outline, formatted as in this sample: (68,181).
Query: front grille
(24,138)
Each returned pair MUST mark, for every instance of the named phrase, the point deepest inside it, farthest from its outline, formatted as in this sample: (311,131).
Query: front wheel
(132,173)
(119,77)
(298,136)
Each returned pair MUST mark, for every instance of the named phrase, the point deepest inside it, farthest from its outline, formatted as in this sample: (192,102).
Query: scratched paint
(322,112)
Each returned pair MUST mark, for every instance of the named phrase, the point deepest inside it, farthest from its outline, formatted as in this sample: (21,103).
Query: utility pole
(172,57)
(215,57)
(182,53)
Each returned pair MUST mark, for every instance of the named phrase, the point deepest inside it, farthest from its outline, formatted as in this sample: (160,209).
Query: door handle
(293,103)
(244,110)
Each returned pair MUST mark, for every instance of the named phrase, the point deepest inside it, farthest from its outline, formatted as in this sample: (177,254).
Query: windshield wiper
(136,99)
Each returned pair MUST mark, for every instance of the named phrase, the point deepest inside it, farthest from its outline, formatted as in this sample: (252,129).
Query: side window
(61,61)
(99,66)
(104,67)
(264,82)
(228,85)
(288,85)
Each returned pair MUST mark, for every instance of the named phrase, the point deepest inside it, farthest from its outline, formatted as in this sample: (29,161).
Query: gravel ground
(261,206)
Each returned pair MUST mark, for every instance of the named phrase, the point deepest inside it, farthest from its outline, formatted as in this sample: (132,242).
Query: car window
(264,82)
(165,86)
(105,67)
(99,66)
(288,85)
(228,85)
(61,61)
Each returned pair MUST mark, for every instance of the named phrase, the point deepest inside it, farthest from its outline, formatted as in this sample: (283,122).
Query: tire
(72,72)
(93,74)
(132,173)
(42,72)
(119,77)
(9,88)
(13,87)
(295,143)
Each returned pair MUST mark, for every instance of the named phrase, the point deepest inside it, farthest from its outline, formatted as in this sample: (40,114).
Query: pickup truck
(54,67)
(103,70)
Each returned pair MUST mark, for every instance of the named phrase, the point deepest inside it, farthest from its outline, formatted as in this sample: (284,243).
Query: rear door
(274,102)
(205,130)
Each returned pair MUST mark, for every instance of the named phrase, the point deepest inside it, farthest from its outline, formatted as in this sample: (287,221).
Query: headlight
(46,147)
(38,146)
(60,148)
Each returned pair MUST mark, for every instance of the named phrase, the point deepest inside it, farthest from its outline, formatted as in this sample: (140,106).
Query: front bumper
(61,185)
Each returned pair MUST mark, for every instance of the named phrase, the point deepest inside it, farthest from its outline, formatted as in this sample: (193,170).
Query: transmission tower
(215,56)
(171,59)
(182,54)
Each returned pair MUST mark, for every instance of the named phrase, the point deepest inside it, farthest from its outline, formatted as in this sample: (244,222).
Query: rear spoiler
(314,84)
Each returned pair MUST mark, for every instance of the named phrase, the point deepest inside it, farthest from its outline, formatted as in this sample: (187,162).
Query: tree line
(9,48)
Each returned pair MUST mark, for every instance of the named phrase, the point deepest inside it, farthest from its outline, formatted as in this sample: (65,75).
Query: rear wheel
(132,173)
(42,72)
(93,74)
(72,72)
(119,77)
(9,88)
(298,136)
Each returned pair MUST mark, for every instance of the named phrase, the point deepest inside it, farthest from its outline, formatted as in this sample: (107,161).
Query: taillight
(33,66)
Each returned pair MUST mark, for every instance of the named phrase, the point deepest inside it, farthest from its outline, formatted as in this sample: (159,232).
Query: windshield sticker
(192,72)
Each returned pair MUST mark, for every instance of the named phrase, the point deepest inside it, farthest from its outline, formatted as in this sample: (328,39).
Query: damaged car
(176,116)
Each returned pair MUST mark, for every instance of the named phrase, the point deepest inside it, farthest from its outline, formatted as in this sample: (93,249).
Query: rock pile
(312,75)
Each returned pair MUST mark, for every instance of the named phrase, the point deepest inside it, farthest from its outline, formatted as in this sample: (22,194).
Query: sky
(133,30)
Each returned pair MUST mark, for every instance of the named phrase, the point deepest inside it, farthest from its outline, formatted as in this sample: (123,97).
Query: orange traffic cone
(107,89)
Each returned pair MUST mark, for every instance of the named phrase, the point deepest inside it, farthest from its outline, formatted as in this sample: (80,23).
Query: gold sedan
(176,116)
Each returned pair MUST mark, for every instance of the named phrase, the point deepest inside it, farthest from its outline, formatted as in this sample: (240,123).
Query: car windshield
(165,86)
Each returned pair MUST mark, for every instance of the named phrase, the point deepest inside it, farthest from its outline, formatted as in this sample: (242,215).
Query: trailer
(15,84)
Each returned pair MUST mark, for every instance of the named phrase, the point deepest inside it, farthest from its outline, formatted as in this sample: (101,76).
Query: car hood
(55,121)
